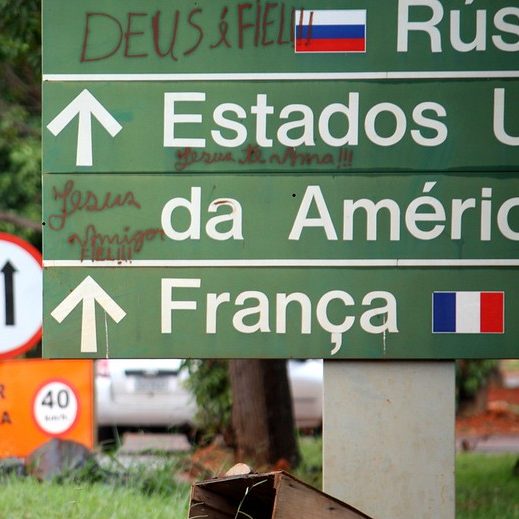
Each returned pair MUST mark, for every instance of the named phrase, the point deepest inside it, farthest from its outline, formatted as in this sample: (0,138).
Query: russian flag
(332,30)
(468,312)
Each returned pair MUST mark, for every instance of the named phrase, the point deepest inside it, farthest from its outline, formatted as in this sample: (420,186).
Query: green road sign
(226,36)
(287,266)
(434,218)
(266,179)
(278,312)
(280,127)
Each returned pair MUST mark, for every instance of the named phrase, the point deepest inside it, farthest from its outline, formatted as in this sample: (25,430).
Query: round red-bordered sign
(56,407)
(20,296)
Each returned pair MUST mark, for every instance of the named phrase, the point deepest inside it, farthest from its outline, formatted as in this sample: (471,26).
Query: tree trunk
(262,413)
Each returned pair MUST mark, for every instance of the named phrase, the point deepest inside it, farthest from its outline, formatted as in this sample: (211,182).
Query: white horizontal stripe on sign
(355,263)
(332,17)
(288,76)
(468,312)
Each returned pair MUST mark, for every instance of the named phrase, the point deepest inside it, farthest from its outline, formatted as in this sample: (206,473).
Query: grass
(28,499)
(310,468)
(485,489)
(140,491)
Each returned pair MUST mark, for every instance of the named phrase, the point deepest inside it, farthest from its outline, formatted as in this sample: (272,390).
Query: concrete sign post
(389,438)
(233,179)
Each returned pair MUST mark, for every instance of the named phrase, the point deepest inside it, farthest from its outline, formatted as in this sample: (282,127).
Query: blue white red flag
(332,30)
(468,312)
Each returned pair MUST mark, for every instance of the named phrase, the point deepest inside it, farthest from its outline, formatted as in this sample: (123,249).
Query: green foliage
(20,33)
(30,499)
(155,479)
(20,110)
(473,375)
(114,488)
(209,383)
(486,487)
(310,469)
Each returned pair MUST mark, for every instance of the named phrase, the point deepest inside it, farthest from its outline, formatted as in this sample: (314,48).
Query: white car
(152,393)
(306,384)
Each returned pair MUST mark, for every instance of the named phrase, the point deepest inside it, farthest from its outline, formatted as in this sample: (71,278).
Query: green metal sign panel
(271,179)
(288,266)
(229,36)
(269,312)
(281,127)
(185,218)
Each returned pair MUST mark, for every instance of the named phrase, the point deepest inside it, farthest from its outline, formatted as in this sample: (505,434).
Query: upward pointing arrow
(8,271)
(85,105)
(88,292)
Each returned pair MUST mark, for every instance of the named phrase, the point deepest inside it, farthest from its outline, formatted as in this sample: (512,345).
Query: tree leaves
(20,115)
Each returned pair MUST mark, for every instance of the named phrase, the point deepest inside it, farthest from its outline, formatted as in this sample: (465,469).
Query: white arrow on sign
(85,105)
(88,292)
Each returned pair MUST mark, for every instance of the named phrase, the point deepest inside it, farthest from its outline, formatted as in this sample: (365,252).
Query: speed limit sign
(20,296)
(55,407)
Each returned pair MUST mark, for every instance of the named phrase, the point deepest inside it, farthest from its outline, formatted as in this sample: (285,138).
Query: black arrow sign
(8,271)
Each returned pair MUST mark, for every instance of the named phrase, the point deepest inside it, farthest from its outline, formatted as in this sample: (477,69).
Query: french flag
(468,312)
(332,30)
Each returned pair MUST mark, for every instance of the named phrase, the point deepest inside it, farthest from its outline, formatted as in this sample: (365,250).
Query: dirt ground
(501,416)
